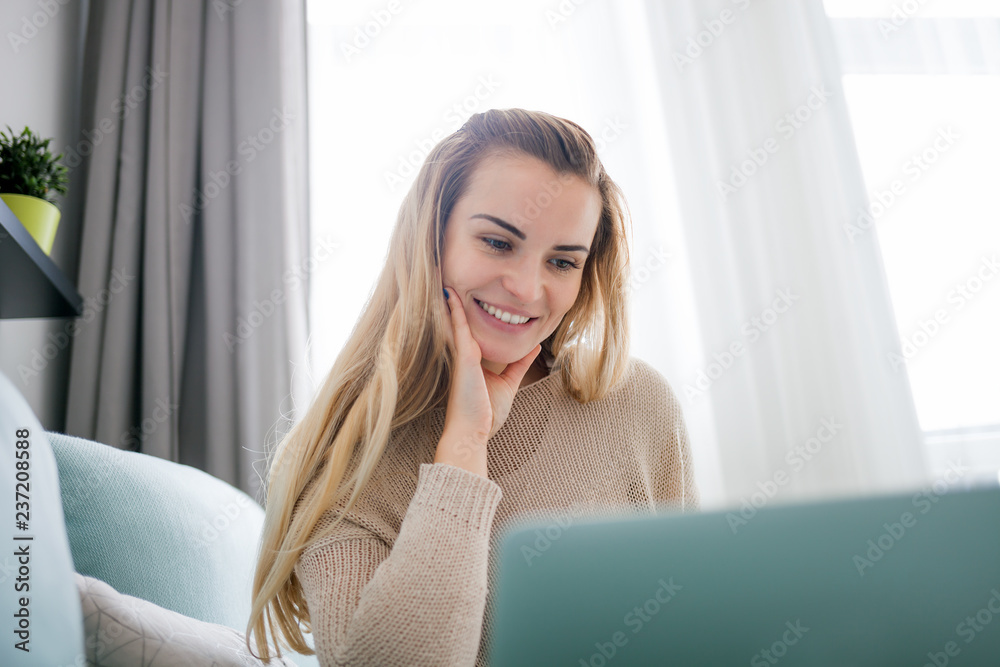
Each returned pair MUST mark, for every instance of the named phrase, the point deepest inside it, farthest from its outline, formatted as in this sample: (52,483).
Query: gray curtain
(195,234)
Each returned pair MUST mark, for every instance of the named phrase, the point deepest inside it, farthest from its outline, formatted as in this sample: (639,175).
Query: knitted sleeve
(420,602)
(675,488)
(690,500)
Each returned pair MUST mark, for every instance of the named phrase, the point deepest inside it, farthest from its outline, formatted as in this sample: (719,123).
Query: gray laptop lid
(893,580)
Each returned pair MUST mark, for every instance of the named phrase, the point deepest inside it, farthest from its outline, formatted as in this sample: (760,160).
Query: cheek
(468,269)
(560,307)
(460,273)
(453,265)
(569,297)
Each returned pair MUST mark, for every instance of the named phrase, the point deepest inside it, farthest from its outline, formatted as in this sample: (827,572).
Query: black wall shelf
(31,285)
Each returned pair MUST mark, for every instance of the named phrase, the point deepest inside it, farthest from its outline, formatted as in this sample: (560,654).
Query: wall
(40,59)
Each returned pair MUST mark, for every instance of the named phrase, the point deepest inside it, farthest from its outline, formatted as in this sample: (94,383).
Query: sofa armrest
(39,600)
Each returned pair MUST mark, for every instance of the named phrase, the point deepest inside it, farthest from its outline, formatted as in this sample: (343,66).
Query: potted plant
(30,179)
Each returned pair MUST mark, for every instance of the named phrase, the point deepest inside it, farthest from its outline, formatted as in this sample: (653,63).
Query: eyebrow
(519,234)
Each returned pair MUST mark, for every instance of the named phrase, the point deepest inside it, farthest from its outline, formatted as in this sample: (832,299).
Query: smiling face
(517,241)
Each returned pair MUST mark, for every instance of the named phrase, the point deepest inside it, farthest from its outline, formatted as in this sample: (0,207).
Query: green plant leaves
(28,168)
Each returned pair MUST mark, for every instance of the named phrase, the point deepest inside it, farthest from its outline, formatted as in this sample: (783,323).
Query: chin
(503,355)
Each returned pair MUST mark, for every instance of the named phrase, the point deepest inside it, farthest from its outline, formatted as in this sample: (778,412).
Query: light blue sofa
(153,530)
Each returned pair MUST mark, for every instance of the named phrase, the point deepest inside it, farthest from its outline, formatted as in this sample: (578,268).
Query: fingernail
(445,294)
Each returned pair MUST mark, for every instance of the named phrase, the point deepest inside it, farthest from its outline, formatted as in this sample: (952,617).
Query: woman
(445,416)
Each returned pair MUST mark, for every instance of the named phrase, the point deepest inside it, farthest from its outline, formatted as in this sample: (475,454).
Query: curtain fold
(195,234)
(795,315)
(939,45)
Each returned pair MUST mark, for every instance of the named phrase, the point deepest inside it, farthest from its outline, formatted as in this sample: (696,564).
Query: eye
(569,265)
(561,265)
(490,243)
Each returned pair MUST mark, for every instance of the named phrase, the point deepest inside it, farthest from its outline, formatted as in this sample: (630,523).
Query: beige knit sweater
(407,578)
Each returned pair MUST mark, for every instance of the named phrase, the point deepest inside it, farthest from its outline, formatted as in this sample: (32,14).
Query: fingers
(460,324)
(515,372)
(464,342)
(456,310)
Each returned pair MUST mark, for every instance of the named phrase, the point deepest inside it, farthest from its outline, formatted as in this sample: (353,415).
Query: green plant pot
(39,217)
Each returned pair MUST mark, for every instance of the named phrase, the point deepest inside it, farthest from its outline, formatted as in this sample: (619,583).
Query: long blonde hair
(396,365)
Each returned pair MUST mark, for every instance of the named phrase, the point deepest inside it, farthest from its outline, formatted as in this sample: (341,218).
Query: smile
(503,316)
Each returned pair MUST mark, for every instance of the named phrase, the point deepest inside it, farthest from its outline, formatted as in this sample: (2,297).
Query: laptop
(905,579)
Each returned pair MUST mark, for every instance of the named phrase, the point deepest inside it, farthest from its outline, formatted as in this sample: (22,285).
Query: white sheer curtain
(922,45)
(935,70)
(565,61)
(701,271)
(794,317)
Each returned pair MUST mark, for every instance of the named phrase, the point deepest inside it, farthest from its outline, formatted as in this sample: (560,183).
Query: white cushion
(126,631)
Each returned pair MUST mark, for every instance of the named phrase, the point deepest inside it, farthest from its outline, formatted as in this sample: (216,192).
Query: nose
(524,280)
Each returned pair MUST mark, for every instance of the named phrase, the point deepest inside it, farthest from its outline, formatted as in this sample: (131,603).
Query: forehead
(528,193)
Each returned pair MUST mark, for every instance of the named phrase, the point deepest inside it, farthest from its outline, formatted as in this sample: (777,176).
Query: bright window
(935,139)
(923,93)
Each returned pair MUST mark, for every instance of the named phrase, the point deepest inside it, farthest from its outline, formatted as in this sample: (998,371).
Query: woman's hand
(480,400)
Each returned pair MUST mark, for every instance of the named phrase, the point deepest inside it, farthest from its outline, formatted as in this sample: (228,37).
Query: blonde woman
(488,378)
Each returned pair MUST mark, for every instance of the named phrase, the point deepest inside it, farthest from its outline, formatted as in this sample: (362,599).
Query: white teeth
(501,315)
